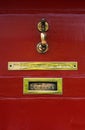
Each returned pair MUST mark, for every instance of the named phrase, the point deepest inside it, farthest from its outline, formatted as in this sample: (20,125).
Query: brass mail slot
(42,86)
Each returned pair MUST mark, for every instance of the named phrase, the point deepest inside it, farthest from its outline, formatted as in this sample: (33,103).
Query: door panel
(19,37)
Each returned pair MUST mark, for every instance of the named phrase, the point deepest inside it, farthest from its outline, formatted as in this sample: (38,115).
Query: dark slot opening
(43,86)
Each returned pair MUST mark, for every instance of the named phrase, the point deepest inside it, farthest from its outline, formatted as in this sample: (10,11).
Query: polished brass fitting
(42,46)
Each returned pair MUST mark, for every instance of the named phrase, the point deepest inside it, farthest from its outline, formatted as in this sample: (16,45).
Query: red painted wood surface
(18,39)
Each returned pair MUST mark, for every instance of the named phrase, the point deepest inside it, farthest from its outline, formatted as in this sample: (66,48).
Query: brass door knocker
(42,46)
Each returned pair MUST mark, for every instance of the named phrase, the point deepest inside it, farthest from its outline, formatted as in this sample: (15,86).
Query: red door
(19,37)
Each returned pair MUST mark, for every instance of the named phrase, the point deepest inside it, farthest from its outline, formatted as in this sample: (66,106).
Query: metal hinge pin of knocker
(42,46)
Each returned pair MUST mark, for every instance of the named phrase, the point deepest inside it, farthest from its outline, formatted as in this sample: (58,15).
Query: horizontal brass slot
(42,86)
